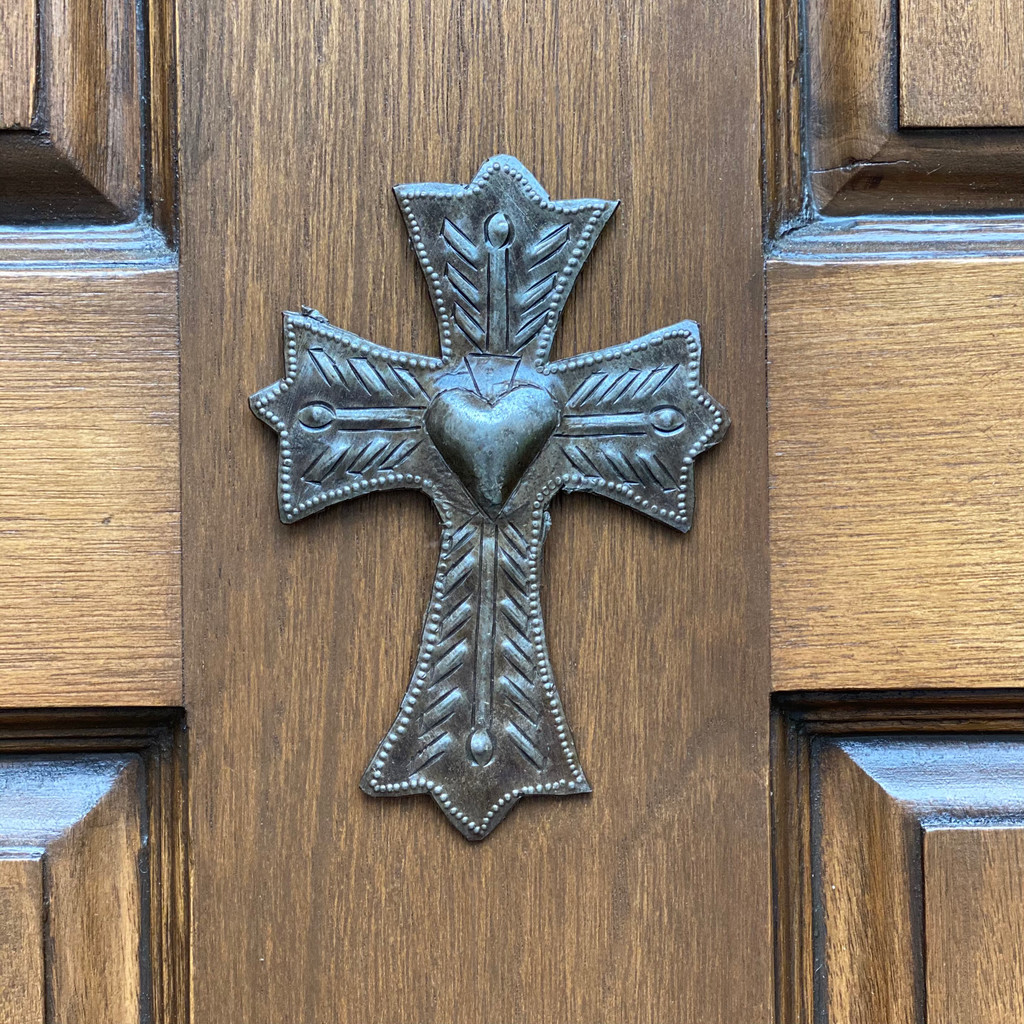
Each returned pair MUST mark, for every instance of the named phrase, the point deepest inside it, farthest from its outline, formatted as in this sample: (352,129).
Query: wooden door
(800,720)
(321,903)
(895,298)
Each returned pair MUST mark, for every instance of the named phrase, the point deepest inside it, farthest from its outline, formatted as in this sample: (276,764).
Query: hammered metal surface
(491,431)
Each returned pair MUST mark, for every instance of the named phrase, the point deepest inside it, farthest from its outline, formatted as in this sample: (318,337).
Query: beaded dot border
(419,783)
(263,407)
(565,278)
(681,515)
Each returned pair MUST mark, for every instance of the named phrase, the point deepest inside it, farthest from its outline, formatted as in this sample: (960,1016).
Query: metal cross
(491,431)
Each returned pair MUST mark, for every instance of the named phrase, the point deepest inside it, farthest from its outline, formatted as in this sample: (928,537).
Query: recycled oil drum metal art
(491,431)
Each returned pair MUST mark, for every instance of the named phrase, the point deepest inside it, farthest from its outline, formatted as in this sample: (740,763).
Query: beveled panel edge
(800,719)
(157,735)
(800,186)
(787,200)
(137,245)
(101,149)
(882,237)
(827,712)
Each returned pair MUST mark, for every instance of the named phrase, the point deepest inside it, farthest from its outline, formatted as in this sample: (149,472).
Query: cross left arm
(349,414)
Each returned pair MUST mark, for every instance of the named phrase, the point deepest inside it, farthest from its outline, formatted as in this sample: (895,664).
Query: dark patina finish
(491,431)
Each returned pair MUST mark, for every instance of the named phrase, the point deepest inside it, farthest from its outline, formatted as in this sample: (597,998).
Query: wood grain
(851,158)
(782,72)
(161,113)
(850,45)
(102,147)
(21,941)
(99,795)
(91,72)
(961,65)
(897,528)
(74,826)
(95,909)
(18,60)
(865,894)
(314,902)
(975,924)
(89,488)
(881,916)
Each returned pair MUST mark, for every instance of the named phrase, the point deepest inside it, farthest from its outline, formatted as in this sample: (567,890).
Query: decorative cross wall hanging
(491,431)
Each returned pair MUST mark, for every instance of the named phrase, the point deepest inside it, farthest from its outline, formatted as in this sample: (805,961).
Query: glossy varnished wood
(975,924)
(961,65)
(95,907)
(849,48)
(94,801)
(161,116)
(89,488)
(312,900)
(92,881)
(782,72)
(92,77)
(18,67)
(73,839)
(897,856)
(864,895)
(897,527)
(853,157)
(22,971)
(91,86)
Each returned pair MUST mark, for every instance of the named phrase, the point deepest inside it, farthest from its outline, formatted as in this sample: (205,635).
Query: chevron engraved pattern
(339,390)
(501,257)
(531,289)
(491,431)
(482,689)
(364,381)
(635,420)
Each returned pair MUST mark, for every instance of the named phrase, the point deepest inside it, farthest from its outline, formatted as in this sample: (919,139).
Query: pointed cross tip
(500,161)
(516,168)
(259,401)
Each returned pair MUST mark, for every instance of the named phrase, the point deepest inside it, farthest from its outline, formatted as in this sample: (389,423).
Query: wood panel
(850,156)
(898,870)
(782,72)
(161,116)
(974,910)
(74,825)
(89,488)
(18,63)
(21,940)
(95,909)
(91,70)
(897,526)
(314,901)
(865,894)
(101,144)
(96,797)
(961,65)
(849,44)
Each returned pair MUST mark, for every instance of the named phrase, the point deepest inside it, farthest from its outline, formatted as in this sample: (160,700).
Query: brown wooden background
(648,901)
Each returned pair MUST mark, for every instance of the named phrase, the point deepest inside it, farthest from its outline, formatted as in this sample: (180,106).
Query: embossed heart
(490,445)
